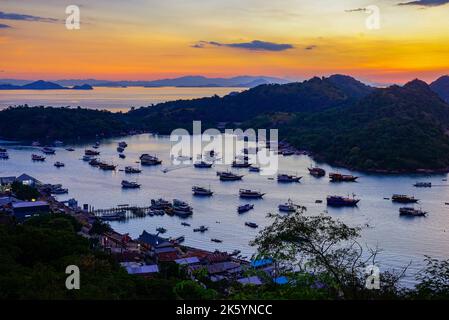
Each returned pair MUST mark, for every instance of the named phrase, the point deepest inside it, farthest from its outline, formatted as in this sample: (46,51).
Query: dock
(131,211)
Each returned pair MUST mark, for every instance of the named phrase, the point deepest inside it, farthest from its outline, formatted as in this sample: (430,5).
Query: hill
(42,85)
(441,87)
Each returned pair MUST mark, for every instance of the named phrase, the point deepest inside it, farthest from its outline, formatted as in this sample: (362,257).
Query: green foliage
(99,227)
(24,192)
(433,280)
(190,290)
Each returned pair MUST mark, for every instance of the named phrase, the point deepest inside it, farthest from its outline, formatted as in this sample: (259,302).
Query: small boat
(423,184)
(403,198)
(95,146)
(86,158)
(4,155)
(200,191)
(185,224)
(156,213)
(122,156)
(238,164)
(235,253)
(246,193)
(229,176)
(160,204)
(337,177)
(245,208)
(106,167)
(113,216)
(122,144)
(89,152)
(337,201)
(251,225)
(36,157)
(3,150)
(180,239)
(35,144)
(317,172)
(59,191)
(120,149)
(130,185)
(94,162)
(254,169)
(287,153)
(289,206)
(59,164)
(201,229)
(216,240)
(149,160)
(161,230)
(411,212)
(202,165)
(48,150)
(288,178)
(70,149)
(132,170)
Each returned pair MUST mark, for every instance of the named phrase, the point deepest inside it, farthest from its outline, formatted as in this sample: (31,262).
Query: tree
(24,192)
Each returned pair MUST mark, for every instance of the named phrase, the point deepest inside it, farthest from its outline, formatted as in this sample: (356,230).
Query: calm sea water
(113,99)
(402,239)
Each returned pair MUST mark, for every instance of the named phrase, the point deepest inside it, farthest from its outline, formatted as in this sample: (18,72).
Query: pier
(131,211)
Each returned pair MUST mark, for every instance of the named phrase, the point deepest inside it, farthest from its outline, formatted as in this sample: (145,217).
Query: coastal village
(142,256)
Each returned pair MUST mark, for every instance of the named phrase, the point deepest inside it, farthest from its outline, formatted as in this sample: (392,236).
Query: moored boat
(4,155)
(70,149)
(200,229)
(201,191)
(245,208)
(254,169)
(161,230)
(59,164)
(130,184)
(229,176)
(412,212)
(216,240)
(149,160)
(401,198)
(122,144)
(251,225)
(240,164)
(288,178)
(106,166)
(423,184)
(337,177)
(202,165)
(289,206)
(132,170)
(122,156)
(113,216)
(338,201)
(89,152)
(3,150)
(48,150)
(36,157)
(246,193)
(181,208)
(317,172)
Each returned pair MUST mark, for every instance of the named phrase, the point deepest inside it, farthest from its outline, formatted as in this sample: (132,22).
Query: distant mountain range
(43,85)
(187,81)
(441,86)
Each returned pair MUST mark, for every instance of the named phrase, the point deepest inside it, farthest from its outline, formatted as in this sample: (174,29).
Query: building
(6,181)
(26,209)
(28,180)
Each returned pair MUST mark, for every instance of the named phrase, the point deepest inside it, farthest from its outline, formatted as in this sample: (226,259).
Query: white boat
(254,169)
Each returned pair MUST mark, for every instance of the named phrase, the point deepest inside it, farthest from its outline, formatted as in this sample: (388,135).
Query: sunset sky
(295,39)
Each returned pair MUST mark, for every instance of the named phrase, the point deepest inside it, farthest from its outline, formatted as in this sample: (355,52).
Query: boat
(289,206)
(185,224)
(337,177)
(229,176)
(338,201)
(180,239)
(235,253)
(36,157)
(216,240)
(254,169)
(245,208)
(120,149)
(200,191)
(132,170)
(156,213)
(86,158)
(246,193)
(95,146)
(59,164)
(287,153)
(94,162)
(59,190)
(251,225)
(48,150)
(106,166)
(130,185)
(149,160)
(181,208)
(122,144)
(70,149)
(89,152)
(423,184)
(211,153)
(288,178)
(122,156)
(238,164)
(161,230)
(403,198)
(201,229)
(202,164)
(160,204)
(412,212)
(317,172)
(113,216)
(3,150)
(4,155)
(35,144)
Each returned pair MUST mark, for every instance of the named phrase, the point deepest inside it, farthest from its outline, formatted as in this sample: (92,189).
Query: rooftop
(29,204)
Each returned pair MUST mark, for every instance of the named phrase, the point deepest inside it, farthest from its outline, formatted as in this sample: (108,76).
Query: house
(254,280)
(25,209)
(28,180)
(141,270)
(7,201)
(151,239)
(187,261)
(222,267)
(5,181)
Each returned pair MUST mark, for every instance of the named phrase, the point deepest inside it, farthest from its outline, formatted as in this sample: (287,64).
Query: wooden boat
(202,165)
(251,225)
(246,193)
(245,208)
(411,212)
(317,172)
(403,198)
(59,164)
(229,176)
(337,177)
(89,152)
(423,184)
(201,229)
(36,157)
(132,170)
(201,191)
(288,178)
(130,185)
(337,201)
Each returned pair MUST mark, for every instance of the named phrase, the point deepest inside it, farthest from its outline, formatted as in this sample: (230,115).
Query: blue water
(402,239)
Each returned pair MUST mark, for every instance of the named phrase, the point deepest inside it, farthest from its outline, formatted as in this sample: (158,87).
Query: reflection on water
(113,99)
(402,240)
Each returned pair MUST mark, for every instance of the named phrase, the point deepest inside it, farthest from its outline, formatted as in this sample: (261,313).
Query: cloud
(24,17)
(4,26)
(424,3)
(255,45)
